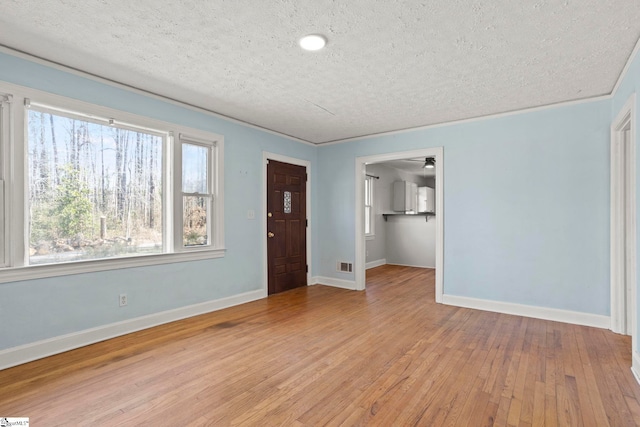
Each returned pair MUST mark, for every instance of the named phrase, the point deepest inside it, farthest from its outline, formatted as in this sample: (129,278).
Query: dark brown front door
(286,226)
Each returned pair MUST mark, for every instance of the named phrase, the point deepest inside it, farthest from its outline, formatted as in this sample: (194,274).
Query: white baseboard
(37,350)
(557,315)
(376,263)
(410,265)
(635,365)
(337,283)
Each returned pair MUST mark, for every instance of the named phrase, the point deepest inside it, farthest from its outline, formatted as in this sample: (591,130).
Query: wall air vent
(345,267)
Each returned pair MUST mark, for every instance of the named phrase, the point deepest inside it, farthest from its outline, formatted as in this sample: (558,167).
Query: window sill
(17,274)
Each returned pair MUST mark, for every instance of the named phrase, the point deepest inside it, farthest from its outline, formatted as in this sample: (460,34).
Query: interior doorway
(399,213)
(623,222)
(436,154)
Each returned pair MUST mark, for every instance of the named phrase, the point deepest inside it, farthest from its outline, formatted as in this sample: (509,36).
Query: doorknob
(270,234)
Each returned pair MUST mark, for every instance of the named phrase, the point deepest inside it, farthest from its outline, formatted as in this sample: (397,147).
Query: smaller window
(197,192)
(368,207)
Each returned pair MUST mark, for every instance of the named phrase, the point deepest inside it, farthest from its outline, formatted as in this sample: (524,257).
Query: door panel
(286,226)
(295,203)
(294,236)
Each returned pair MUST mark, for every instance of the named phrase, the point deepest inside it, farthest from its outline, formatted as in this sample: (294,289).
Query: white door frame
(266,156)
(620,306)
(361,162)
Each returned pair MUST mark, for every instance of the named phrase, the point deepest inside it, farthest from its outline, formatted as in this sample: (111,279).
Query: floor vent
(345,267)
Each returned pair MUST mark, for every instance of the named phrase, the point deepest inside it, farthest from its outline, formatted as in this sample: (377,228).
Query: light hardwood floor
(319,355)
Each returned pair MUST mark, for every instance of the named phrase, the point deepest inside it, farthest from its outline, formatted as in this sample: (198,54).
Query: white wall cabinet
(426,199)
(405,196)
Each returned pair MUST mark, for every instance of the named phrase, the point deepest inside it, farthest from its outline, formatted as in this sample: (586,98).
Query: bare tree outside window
(95,191)
(196,195)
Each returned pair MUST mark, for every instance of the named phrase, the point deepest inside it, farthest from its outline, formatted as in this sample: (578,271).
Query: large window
(95,190)
(104,188)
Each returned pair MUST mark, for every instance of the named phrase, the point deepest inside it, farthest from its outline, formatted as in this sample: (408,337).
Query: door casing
(360,169)
(622,271)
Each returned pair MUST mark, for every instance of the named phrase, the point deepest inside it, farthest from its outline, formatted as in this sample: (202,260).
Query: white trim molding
(412,265)
(376,263)
(136,90)
(113,83)
(470,120)
(623,221)
(193,107)
(336,283)
(26,353)
(627,65)
(266,156)
(635,365)
(545,313)
(360,172)
(16,274)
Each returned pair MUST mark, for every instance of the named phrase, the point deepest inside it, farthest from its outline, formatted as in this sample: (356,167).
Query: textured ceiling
(389,65)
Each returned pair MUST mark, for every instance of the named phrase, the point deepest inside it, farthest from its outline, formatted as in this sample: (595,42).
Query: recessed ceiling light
(312,42)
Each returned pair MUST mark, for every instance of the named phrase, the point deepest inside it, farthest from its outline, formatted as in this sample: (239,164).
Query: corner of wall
(336,283)
(635,365)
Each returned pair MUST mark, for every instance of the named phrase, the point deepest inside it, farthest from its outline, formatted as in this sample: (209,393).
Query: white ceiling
(388,65)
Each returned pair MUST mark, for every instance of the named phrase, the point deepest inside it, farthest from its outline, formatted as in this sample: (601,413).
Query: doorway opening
(623,222)
(367,216)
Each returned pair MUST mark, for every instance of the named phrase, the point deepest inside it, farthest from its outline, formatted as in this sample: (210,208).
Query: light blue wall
(630,85)
(526,202)
(39,309)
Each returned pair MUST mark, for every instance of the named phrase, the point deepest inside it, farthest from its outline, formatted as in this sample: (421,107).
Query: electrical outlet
(123,300)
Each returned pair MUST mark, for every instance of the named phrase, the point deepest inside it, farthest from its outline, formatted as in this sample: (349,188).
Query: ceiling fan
(429,162)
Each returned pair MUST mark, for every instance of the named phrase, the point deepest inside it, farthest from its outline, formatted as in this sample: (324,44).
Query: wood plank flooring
(319,356)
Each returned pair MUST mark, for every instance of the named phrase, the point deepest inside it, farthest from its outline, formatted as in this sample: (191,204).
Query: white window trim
(13,148)
(6,109)
(372,232)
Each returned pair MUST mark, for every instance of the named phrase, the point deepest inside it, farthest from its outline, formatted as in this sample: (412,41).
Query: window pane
(195,159)
(367,191)
(367,220)
(287,202)
(195,230)
(95,191)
